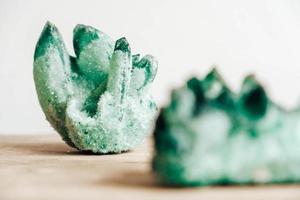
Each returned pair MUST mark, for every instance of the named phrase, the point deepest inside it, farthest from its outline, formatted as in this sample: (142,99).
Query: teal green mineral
(209,135)
(97,100)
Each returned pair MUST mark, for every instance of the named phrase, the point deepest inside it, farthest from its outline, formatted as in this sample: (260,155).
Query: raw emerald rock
(98,101)
(210,135)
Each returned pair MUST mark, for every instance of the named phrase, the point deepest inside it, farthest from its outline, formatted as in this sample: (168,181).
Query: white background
(187,37)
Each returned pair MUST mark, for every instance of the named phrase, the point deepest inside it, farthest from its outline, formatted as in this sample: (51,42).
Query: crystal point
(122,45)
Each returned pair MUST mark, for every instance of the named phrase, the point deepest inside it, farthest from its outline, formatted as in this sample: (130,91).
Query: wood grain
(43,167)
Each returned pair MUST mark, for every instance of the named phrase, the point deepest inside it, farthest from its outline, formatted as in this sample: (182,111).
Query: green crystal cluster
(98,101)
(209,135)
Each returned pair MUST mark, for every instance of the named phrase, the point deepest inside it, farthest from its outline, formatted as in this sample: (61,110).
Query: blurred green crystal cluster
(210,135)
(98,101)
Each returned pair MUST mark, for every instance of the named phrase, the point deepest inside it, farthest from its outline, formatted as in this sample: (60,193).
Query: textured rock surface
(98,101)
(210,135)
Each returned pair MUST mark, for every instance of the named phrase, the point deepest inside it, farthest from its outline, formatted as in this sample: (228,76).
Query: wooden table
(43,167)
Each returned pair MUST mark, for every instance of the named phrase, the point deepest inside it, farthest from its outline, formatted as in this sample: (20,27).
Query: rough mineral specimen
(210,135)
(98,101)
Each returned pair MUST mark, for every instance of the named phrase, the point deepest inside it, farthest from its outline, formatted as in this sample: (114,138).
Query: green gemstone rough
(98,100)
(209,135)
